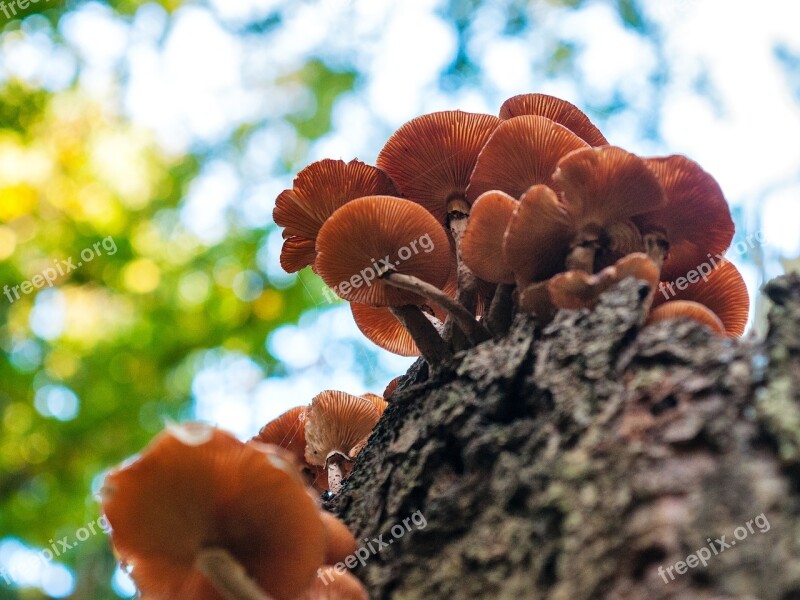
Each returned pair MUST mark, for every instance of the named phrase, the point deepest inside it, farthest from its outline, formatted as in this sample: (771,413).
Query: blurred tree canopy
(93,366)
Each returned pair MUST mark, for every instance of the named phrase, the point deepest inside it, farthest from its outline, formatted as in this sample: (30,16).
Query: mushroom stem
(501,310)
(657,246)
(335,476)
(457,218)
(584,250)
(228,576)
(430,343)
(475,332)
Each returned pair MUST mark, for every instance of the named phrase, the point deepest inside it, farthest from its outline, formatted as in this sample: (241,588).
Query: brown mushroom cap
(381,327)
(605,185)
(522,152)
(723,291)
(318,191)
(538,236)
(333,585)
(555,109)
(391,387)
(196,487)
(430,158)
(377,401)
(696,220)
(287,431)
(686,309)
(357,237)
(336,423)
(340,542)
(482,245)
(578,289)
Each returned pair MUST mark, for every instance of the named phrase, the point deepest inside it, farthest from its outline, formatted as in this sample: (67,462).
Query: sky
(728,104)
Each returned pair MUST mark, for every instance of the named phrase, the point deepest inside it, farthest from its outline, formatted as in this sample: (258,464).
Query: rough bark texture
(572,462)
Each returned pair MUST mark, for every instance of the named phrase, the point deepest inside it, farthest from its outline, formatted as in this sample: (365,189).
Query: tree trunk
(590,460)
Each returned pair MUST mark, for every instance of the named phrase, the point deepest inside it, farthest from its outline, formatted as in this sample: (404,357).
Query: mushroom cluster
(531,211)
(201,515)
(326,436)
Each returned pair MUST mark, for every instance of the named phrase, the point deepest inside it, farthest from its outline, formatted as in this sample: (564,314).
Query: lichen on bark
(573,461)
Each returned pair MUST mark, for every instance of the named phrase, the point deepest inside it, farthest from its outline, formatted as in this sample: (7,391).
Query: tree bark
(582,460)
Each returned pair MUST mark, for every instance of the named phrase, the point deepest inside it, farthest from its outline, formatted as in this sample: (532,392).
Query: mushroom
(339,540)
(695,222)
(288,431)
(390,388)
(522,151)
(578,289)
(555,109)
(377,401)
(334,584)
(687,309)
(336,423)
(430,159)
(383,228)
(723,291)
(482,247)
(318,190)
(381,326)
(201,515)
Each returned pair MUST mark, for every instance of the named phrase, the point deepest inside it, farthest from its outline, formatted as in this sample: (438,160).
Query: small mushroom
(555,109)
(332,584)
(364,254)
(318,190)
(390,388)
(431,159)
(723,291)
(522,152)
(336,423)
(696,220)
(380,326)
(377,401)
(201,515)
(686,309)
(339,540)
(482,247)
(578,289)
(289,431)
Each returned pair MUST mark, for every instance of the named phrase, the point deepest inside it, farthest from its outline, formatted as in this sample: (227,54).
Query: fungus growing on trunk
(336,423)
(686,309)
(318,190)
(555,109)
(201,515)
(333,584)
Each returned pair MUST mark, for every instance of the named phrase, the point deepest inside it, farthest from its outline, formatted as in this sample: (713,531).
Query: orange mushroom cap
(608,184)
(555,109)
(196,487)
(522,152)
(377,401)
(336,423)
(355,240)
(696,220)
(319,190)
(430,158)
(381,327)
(723,291)
(686,309)
(538,236)
(289,431)
(340,542)
(333,585)
(578,289)
(482,245)
(391,387)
